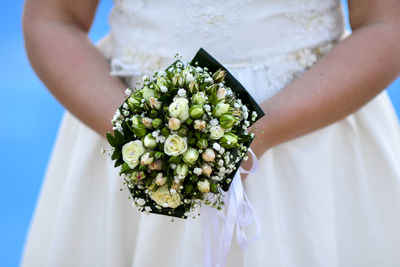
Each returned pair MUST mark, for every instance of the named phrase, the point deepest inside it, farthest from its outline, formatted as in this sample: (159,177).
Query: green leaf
(111,140)
(116,154)
(125,168)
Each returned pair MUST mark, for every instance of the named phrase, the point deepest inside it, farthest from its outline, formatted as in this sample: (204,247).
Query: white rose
(179,108)
(149,141)
(220,109)
(147,122)
(175,145)
(190,156)
(203,186)
(160,179)
(166,198)
(199,124)
(216,132)
(131,152)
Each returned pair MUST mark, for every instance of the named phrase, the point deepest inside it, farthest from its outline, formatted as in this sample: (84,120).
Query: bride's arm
(57,43)
(354,72)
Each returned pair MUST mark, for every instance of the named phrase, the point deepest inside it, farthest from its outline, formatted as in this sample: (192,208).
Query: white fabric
(329,198)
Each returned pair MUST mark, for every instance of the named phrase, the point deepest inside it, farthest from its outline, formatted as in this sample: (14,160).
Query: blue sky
(29,119)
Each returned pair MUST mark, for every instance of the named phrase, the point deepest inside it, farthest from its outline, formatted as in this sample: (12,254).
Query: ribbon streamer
(218,227)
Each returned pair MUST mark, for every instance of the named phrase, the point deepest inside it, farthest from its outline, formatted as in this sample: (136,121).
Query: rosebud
(198,98)
(181,170)
(199,125)
(174,124)
(220,109)
(165,131)
(229,140)
(147,122)
(153,113)
(193,87)
(154,103)
(160,179)
(219,76)
(196,111)
(178,80)
(157,123)
(216,132)
(156,165)
(202,143)
(203,186)
(208,155)
(149,141)
(133,102)
(140,175)
(190,156)
(146,159)
(182,132)
(162,81)
(138,127)
(206,170)
(147,93)
(227,121)
(221,93)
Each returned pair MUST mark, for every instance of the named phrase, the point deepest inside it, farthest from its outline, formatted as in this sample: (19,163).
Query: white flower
(160,179)
(220,109)
(174,124)
(131,153)
(179,108)
(144,78)
(229,92)
(164,197)
(147,122)
(146,159)
(160,139)
(206,170)
(181,92)
(164,89)
(154,103)
(213,122)
(126,113)
(216,132)
(199,124)
(189,77)
(197,171)
(203,186)
(221,93)
(181,171)
(125,105)
(217,146)
(208,79)
(216,178)
(140,201)
(175,145)
(208,155)
(128,92)
(207,108)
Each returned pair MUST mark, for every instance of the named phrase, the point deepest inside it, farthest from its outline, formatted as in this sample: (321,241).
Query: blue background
(29,119)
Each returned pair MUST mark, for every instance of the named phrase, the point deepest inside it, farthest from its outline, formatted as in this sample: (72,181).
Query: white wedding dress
(328,198)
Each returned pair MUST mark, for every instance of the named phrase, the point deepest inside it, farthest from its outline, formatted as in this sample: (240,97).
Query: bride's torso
(146,34)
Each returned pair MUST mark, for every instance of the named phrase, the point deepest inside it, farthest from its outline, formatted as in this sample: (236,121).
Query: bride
(328,188)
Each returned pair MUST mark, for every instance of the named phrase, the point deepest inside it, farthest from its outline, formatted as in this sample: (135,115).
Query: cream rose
(131,152)
(179,108)
(166,198)
(216,132)
(175,145)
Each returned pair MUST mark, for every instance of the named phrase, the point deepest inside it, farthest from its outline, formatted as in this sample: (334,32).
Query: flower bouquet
(181,135)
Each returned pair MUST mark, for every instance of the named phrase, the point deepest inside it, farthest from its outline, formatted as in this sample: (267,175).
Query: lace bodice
(283,35)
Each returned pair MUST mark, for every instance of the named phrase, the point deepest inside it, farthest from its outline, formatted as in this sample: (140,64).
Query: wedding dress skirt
(328,198)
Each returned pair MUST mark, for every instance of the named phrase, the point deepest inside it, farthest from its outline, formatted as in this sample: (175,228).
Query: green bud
(220,109)
(190,156)
(149,141)
(147,93)
(138,127)
(227,121)
(219,76)
(174,159)
(198,98)
(229,140)
(153,114)
(214,188)
(202,143)
(196,111)
(188,189)
(182,131)
(158,155)
(165,109)
(157,123)
(162,81)
(165,131)
(193,87)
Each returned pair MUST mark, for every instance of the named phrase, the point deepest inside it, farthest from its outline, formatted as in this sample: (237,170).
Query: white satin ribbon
(218,227)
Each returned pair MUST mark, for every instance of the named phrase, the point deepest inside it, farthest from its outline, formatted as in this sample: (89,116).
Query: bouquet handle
(218,227)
